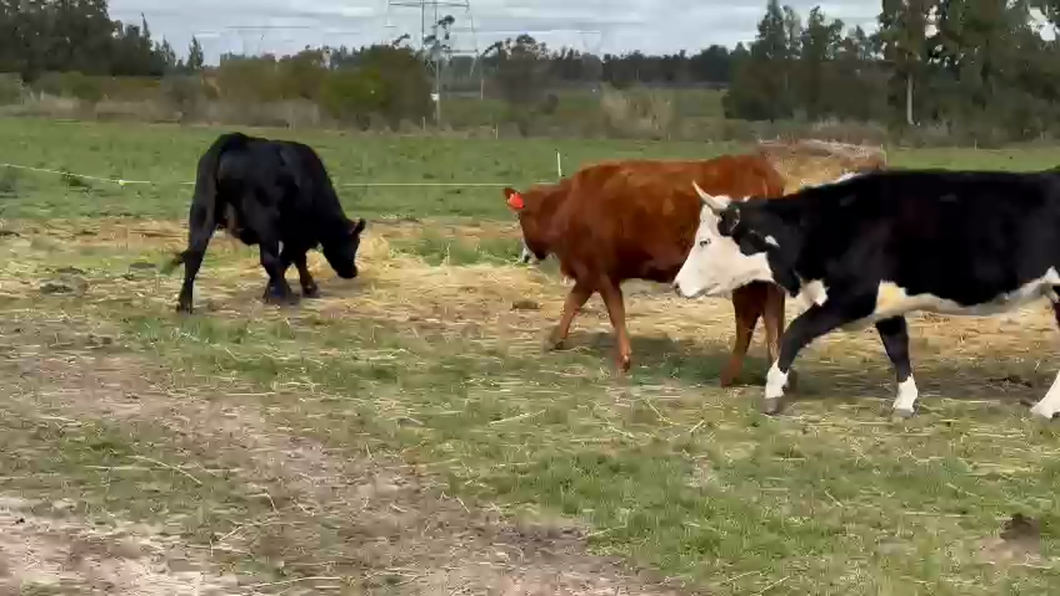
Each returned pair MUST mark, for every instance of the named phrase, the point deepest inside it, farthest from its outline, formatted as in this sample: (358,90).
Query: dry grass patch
(429,380)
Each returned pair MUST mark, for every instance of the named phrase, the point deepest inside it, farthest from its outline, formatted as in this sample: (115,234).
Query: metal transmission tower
(443,35)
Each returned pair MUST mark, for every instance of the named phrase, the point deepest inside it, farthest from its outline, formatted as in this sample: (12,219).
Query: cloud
(613,26)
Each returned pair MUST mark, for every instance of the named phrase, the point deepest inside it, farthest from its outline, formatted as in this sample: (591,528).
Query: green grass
(662,468)
(166,156)
(437,249)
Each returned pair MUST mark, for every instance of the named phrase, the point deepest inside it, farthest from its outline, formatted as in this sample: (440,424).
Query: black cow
(869,249)
(276,194)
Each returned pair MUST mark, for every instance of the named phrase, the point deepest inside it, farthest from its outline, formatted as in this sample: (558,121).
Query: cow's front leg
(309,286)
(814,322)
(579,295)
(277,290)
(895,335)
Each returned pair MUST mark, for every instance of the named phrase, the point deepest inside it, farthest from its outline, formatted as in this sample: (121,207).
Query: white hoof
(1041,412)
(903,412)
(776,383)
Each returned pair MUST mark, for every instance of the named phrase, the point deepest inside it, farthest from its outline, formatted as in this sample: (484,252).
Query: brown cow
(637,219)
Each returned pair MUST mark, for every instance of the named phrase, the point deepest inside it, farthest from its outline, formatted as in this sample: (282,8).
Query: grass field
(406,434)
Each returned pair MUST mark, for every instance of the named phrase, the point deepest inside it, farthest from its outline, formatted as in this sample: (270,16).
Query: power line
(434,25)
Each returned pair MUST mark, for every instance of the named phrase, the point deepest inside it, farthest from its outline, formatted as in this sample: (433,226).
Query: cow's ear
(358,227)
(515,200)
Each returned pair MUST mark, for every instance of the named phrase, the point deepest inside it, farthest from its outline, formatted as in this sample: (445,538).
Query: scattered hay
(510,305)
(434,543)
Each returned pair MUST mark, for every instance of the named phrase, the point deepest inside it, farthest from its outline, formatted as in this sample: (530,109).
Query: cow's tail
(202,218)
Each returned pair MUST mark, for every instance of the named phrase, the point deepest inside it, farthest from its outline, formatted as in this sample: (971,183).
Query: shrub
(638,112)
(350,97)
(183,94)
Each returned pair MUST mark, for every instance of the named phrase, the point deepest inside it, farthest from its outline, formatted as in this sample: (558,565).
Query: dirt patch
(400,531)
(1019,542)
(70,556)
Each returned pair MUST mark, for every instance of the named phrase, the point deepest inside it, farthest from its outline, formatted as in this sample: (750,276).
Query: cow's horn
(716,204)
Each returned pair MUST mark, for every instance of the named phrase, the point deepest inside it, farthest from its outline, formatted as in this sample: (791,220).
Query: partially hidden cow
(879,245)
(636,219)
(275,194)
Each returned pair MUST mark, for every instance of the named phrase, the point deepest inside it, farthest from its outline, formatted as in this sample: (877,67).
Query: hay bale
(810,161)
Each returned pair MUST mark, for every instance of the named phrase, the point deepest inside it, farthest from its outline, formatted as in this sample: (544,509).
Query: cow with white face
(869,249)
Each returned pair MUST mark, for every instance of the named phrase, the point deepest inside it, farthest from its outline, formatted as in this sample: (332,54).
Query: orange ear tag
(515,201)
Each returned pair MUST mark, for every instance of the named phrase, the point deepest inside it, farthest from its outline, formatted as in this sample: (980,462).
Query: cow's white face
(715,266)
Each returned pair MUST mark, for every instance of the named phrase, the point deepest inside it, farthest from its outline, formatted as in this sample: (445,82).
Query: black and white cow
(869,249)
(276,194)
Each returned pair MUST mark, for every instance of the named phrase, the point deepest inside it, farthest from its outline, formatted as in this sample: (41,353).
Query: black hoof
(279,298)
(311,292)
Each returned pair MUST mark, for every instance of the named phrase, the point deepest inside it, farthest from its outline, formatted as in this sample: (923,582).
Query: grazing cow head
(524,205)
(733,248)
(341,254)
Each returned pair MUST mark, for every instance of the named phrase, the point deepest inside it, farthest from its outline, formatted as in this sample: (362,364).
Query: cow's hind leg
(895,335)
(579,295)
(814,322)
(616,308)
(1049,405)
(201,224)
(747,303)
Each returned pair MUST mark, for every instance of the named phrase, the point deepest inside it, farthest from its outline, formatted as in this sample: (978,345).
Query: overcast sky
(653,26)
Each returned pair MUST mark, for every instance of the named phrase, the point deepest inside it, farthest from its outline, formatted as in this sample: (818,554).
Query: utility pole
(437,26)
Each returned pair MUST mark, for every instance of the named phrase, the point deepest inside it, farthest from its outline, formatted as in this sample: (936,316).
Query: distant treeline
(38,36)
(973,69)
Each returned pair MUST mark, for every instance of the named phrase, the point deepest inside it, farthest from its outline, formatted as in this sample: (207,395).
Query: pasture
(407,434)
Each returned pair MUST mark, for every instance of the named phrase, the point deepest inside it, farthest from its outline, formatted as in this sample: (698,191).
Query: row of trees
(977,66)
(964,64)
(39,36)
(350,85)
